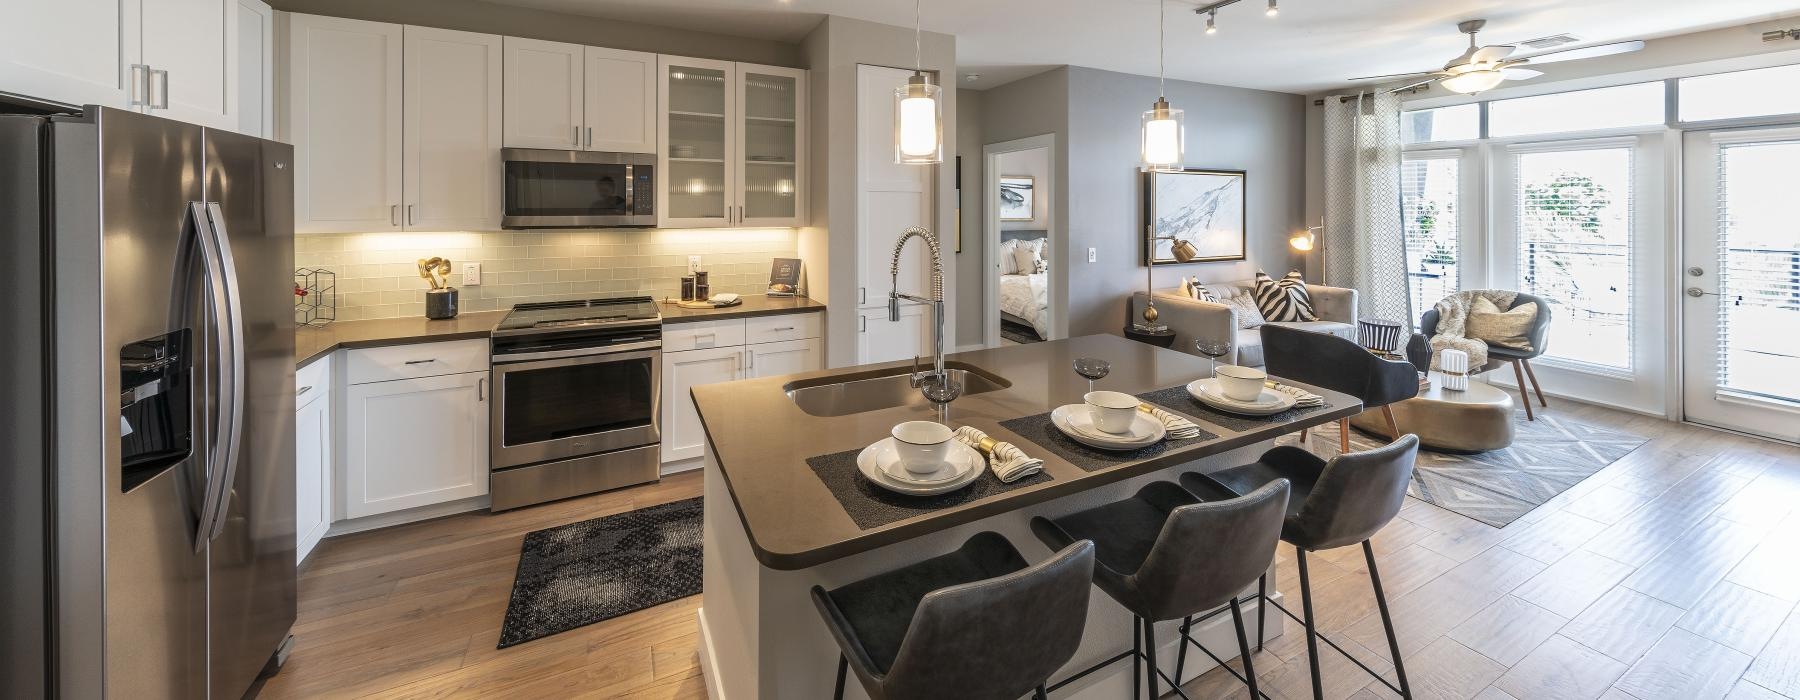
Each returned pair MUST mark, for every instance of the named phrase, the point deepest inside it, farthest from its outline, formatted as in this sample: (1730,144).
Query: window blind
(1758,270)
(1429,193)
(1575,249)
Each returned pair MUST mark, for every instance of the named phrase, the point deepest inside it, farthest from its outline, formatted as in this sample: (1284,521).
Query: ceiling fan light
(1274,8)
(1469,82)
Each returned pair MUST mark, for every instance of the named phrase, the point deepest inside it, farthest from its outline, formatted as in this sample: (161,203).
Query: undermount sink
(837,396)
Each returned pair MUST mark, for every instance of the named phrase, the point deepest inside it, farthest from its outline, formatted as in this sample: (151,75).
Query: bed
(1023,297)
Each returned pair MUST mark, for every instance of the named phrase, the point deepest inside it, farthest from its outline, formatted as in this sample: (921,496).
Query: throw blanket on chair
(1453,318)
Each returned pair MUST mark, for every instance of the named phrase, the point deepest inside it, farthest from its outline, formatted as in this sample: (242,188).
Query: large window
(1583,110)
(1575,228)
(1750,93)
(1429,197)
(1759,270)
(1457,123)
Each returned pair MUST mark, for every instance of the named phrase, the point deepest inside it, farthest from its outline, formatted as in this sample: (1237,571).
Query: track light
(1274,8)
(1212,22)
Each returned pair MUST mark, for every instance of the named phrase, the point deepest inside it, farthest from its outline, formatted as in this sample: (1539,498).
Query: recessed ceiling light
(972,77)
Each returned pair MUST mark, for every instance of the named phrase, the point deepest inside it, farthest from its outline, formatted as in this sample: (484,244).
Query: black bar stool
(1336,503)
(1165,554)
(975,623)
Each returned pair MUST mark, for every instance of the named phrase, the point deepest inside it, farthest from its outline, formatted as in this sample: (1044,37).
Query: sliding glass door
(1741,281)
(1433,214)
(1578,225)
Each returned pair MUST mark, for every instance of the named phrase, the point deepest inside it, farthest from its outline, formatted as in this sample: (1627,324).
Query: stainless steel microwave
(578,189)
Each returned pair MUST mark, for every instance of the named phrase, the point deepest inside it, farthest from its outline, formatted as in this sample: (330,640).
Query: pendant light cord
(1160,51)
(919,65)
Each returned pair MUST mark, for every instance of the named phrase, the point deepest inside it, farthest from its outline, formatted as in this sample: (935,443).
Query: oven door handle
(575,352)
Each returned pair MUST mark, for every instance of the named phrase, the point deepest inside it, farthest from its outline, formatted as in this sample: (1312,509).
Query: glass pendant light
(1164,137)
(918,113)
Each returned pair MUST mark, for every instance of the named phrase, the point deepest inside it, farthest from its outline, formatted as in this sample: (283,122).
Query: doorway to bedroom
(1020,192)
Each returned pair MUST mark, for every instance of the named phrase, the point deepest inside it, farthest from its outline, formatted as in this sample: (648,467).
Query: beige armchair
(1193,320)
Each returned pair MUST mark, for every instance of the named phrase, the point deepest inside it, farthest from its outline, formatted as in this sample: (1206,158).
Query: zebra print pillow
(1285,299)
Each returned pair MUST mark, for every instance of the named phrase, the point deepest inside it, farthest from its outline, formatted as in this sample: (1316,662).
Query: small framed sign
(784,277)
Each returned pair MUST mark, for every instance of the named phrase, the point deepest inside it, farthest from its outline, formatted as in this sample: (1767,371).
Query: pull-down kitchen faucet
(936,385)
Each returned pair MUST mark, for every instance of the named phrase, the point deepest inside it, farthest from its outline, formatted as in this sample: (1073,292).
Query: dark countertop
(314,342)
(754,305)
(762,441)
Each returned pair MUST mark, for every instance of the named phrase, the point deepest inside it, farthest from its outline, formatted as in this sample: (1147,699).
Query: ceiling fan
(1483,68)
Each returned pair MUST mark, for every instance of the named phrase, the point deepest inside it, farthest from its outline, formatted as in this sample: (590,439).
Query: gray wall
(478,16)
(969,315)
(1260,132)
(1023,108)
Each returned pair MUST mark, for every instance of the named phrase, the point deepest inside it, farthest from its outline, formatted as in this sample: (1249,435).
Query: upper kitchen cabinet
(173,58)
(731,144)
(394,128)
(344,120)
(451,128)
(573,97)
(256,68)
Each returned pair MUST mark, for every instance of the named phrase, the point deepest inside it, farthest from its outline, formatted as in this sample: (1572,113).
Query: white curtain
(1364,244)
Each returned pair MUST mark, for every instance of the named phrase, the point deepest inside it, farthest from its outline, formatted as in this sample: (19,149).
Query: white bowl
(923,445)
(1241,383)
(1112,411)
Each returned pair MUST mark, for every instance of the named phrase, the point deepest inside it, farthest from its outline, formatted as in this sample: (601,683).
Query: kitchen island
(777,524)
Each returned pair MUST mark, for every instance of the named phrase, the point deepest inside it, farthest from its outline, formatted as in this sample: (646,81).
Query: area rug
(595,570)
(1018,332)
(1547,457)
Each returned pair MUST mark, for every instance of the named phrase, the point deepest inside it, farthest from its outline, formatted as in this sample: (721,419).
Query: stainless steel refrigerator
(147,494)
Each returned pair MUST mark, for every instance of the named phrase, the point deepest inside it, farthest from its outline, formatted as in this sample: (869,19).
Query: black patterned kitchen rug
(595,570)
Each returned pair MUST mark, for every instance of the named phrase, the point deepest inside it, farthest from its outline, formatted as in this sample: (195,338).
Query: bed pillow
(1283,300)
(1008,266)
(1507,329)
(1025,257)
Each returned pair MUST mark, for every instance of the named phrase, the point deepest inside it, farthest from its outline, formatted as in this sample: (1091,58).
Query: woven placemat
(1039,431)
(872,506)
(1177,399)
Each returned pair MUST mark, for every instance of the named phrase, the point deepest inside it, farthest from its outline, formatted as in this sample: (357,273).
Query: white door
(771,145)
(1741,282)
(620,91)
(682,435)
(881,340)
(696,143)
(452,130)
(312,472)
(191,47)
(785,357)
(415,442)
(543,94)
(890,197)
(74,51)
(344,120)
(1580,224)
(256,69)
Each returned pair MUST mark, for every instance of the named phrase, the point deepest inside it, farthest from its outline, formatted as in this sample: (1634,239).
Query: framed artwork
(1202,207)
(1018,198)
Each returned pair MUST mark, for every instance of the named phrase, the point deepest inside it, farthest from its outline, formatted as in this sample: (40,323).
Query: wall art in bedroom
(1018,198)
(1202,207)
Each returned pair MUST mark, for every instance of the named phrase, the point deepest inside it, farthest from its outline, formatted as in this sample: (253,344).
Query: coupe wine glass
(1213,349)
(1093,368)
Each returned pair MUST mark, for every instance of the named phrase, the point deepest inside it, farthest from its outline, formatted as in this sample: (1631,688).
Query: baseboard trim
(408,516)
(714,689)
(681,465)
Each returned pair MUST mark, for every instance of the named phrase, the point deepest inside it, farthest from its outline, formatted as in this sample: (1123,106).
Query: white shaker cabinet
(881,340)
(255,69)
(312,456)
(414,441)
(451,130)
(707,352)
(732,143)
(191,47)
(620,93)
(785,357)
(343,117)
(683,437)
(543,101)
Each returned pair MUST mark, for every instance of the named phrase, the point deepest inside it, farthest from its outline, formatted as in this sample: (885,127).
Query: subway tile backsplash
(378,274)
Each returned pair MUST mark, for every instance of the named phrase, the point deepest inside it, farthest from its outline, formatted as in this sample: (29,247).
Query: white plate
(1074,421)
(881,461)
(1271,402)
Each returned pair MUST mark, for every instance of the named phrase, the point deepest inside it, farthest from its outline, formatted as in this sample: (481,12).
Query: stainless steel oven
(577,189)
(577,399)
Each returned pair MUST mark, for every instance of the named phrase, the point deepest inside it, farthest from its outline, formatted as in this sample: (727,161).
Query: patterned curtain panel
(1365,243)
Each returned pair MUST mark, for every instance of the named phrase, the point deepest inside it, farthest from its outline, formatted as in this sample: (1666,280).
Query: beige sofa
(1192,319)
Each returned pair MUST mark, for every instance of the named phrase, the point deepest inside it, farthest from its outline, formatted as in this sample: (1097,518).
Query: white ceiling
(1313,45)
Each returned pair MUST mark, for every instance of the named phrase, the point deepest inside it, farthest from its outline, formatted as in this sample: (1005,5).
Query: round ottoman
(1477,419)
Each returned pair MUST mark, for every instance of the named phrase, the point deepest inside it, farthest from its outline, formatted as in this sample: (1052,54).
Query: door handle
(409,215)
(481,389)
(221,273)
(865,324)
(590,136)
(139,77)
(740,213)
(302,391)
(862,294)
(1697,292)
(575,134)
(781,329)
(156,103)
(394,214)
(421,362)
(750,358)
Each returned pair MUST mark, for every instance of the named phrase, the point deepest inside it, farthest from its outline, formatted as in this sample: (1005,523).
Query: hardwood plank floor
(1671,573)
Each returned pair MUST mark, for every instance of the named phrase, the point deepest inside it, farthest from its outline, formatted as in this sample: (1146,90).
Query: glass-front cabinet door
(771,127)
(697,143)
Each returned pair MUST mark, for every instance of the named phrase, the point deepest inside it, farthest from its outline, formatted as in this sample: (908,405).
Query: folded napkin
(1179,428)
(1008,462)
(1302,397)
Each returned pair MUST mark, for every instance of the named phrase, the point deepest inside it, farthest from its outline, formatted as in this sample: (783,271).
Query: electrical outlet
(471,274)
(1093,255)
(693,263)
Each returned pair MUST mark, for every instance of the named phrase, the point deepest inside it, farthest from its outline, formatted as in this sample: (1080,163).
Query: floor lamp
(1308,240)
(1183,251)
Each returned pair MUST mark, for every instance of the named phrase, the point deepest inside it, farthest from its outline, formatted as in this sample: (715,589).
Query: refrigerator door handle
(220,270)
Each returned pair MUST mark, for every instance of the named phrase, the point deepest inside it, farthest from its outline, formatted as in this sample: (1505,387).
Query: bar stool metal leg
(1150,658)
(1387,621)
(1041,694)
(843,666)
(1312,632)
(1187,625)
(1137,656)
(1262,607)
(1237,619)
